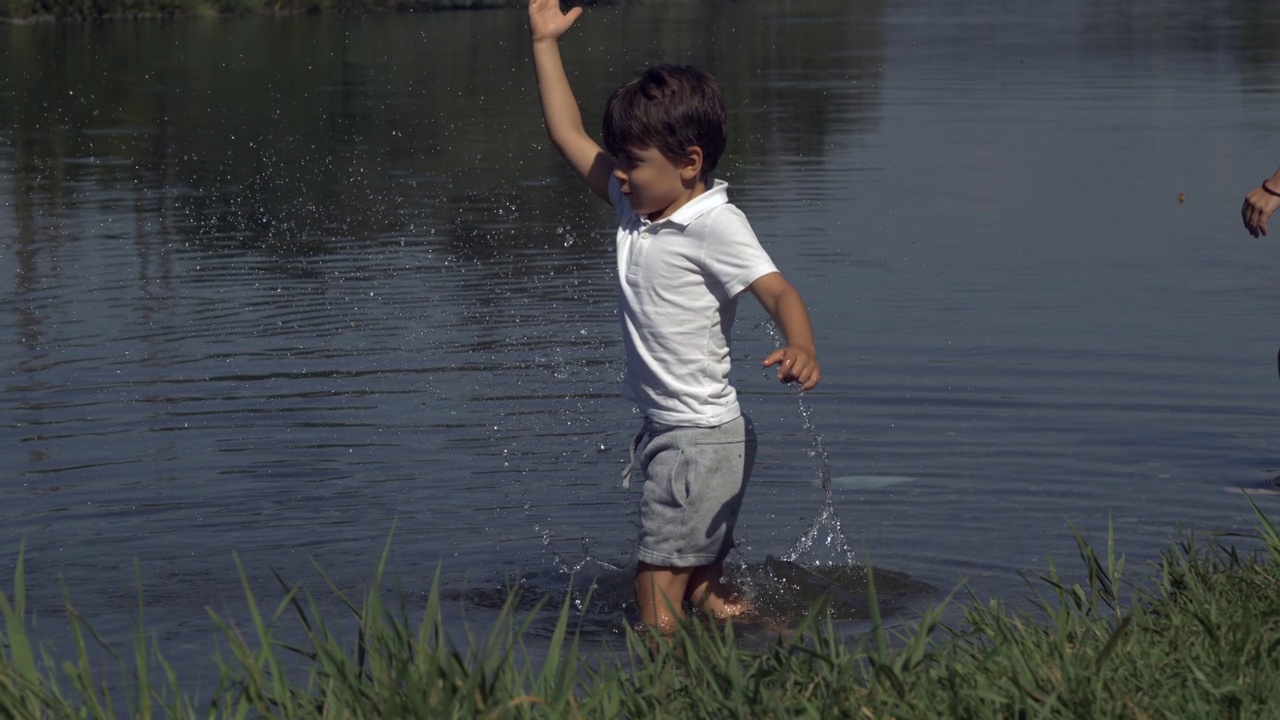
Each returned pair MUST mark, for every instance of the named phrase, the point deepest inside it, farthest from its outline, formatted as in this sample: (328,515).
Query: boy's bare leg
(659,593)
(708,592)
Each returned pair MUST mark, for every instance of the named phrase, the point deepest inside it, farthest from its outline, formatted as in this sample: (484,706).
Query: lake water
(280,287)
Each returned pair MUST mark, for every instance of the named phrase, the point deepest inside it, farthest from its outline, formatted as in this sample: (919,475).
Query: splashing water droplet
(826,519)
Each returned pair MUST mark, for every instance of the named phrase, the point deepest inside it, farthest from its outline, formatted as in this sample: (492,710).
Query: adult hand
(1259,204)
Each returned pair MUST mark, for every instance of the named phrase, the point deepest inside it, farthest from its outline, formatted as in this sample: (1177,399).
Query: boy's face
(655,185)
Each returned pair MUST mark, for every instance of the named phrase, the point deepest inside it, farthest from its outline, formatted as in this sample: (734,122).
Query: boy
(684,254)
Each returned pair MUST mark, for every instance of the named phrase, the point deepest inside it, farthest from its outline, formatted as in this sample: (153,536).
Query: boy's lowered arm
(559,107)
(797,362)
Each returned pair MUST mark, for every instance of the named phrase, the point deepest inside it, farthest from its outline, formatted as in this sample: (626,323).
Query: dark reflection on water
(277,286)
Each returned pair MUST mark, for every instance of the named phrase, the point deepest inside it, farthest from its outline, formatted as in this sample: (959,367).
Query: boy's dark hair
(670,108)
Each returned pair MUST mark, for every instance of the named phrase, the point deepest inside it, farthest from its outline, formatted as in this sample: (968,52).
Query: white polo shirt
(680,278)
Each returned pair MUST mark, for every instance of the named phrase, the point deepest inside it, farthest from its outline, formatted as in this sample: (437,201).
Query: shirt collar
(712,197)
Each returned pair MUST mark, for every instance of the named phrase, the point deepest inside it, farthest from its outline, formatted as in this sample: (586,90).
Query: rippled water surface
(279,287)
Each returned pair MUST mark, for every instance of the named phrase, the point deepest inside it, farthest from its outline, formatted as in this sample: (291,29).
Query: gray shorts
(694,481)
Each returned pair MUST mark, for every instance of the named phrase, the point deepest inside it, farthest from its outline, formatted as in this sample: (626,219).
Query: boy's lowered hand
(795,365)
(797,362)
(546,22)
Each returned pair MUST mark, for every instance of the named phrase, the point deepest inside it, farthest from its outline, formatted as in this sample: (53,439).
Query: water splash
(589,573)
(826,520)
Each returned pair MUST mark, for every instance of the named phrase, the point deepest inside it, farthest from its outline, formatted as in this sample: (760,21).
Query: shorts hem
(682,561)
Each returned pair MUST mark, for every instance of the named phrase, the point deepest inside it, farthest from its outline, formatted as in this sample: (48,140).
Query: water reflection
(277,282)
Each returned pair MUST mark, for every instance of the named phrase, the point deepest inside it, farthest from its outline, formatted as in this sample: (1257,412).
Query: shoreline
(1194,639)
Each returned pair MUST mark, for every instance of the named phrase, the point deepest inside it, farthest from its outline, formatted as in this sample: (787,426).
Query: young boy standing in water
(684,255)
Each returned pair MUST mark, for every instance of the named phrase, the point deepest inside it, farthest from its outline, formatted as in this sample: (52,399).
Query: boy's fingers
(809,380)
(787,369)
(807,376)
(804,378)
(548,16)
(800,369)
(790,370)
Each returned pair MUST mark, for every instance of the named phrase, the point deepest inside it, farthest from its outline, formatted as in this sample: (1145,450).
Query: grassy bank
(1199,639)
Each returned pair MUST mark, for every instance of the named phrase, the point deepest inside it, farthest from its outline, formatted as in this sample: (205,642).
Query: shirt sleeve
(733,254)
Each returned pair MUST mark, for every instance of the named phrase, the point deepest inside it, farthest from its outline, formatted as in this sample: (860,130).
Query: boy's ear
(691,164)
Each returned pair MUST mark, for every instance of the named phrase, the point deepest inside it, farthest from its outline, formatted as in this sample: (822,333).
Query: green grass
(1199,638)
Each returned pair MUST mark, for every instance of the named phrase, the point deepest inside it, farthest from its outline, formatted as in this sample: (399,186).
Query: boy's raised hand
(546,22)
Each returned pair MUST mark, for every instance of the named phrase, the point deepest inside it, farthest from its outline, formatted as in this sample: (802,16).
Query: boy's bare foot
(720,602)
(728,608)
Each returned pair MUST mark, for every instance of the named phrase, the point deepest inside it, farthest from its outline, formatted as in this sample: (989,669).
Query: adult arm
(559,107)
(1259,204)
(797,361)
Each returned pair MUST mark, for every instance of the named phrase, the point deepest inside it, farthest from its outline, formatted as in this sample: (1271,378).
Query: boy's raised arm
(559,107)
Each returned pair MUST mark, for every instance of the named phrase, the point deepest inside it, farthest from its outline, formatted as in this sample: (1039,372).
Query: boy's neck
(699,187)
